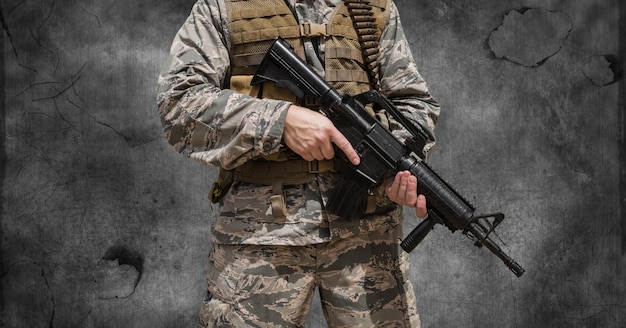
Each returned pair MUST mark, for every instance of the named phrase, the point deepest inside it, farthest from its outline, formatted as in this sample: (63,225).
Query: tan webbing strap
(371,203)
(259,12)
(343,52)
(279,205)
(264,34)
(344,75)
(247,59)
(312,30)
(246,63)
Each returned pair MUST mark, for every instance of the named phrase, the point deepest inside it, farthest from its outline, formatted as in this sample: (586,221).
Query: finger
(420,208)
(392,190)
(402,189)
(307,157)
(338,139)
(317,154)
(411,190)
(327,150)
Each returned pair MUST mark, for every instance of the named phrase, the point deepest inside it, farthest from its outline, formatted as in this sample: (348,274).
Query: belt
(280,173)
(289,172)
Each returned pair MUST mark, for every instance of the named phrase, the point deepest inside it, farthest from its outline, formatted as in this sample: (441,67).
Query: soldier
(273,242)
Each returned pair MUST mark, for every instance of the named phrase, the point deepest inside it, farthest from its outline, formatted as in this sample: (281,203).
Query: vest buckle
(311,29)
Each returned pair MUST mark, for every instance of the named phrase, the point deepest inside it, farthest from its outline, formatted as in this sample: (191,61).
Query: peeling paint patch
(114,280)
(118,273)
(602,70)
(531,36)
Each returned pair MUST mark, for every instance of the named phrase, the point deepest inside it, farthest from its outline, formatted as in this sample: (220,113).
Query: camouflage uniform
(264,269)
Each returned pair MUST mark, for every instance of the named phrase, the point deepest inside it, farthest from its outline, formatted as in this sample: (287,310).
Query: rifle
(380,153)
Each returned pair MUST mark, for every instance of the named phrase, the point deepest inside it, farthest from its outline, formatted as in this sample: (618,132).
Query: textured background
(104,225)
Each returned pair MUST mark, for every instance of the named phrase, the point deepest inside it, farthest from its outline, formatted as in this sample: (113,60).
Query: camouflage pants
(362,282)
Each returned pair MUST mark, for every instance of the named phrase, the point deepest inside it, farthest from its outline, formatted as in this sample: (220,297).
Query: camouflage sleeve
(201,117)
(402,83)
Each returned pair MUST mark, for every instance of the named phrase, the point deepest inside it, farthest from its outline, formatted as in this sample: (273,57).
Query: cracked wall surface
(531,36)
(104,225)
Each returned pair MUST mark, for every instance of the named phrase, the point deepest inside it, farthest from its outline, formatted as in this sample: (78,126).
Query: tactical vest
(254,25)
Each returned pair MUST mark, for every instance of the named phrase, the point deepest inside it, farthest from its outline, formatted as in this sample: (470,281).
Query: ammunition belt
(365,26)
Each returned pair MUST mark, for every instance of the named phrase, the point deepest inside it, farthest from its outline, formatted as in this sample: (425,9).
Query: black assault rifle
(380,153)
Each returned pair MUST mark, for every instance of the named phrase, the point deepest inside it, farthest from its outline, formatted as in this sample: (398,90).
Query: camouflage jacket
(193,92)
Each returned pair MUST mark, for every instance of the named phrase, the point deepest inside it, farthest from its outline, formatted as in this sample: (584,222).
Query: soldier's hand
(312,135)
(403,191)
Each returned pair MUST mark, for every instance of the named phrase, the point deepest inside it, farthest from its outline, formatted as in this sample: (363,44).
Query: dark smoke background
(104,225)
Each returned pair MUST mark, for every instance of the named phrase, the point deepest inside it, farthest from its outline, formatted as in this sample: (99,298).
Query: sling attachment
(364,23)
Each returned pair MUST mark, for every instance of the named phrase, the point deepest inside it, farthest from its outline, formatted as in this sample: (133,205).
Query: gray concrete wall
(104,225)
